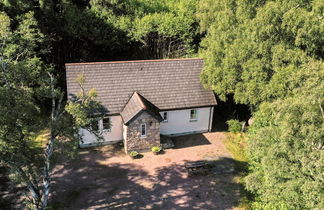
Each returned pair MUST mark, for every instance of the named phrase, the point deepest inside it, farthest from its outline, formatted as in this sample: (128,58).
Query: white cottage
(144,99)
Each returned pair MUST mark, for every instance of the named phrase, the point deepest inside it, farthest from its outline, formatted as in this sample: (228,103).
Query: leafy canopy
(164,28)
(252,47)
(269,54)
(286,147)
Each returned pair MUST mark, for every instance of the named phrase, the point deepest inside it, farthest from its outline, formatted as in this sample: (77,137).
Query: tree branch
(32,187)
(321,108)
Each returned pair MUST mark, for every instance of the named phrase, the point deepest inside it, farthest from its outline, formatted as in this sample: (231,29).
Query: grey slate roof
(168,84)
(136,105)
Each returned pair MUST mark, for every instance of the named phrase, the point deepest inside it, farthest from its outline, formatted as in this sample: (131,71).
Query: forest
(265,54)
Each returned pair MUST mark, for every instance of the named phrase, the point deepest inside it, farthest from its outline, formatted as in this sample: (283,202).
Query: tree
(21,118)
(286,143)
(252,47)
(162,29)
(26,82)
(101,30)
(269,55)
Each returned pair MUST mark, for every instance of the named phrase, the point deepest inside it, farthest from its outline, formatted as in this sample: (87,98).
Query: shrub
(133,153)
(156,149)
(234,126)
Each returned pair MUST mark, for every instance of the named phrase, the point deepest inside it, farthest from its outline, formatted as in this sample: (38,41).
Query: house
(145,99)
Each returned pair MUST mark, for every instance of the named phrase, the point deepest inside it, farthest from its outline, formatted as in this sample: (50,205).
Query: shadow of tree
(10,193)
(86,183)
(189,141)
(198,192)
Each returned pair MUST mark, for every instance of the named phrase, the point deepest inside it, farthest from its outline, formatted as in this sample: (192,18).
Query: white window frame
(167,116)
(141,127)
(193,119)
(109,129)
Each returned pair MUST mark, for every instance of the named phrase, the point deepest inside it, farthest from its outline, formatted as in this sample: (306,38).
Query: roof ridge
(131,61)
(140,99)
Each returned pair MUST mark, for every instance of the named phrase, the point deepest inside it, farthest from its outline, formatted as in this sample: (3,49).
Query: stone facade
(134,141)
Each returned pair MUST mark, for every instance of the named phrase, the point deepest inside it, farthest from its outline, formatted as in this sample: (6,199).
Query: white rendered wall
(179,121)
(211,119)
(115,133)
(124,132)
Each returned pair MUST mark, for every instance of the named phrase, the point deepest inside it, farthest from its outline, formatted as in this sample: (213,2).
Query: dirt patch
(105,178)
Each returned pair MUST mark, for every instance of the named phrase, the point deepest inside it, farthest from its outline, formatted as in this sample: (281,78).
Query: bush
(156,149)
(234,126)
(133,153)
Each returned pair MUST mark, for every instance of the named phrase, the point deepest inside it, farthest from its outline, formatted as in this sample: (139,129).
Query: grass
(236,144)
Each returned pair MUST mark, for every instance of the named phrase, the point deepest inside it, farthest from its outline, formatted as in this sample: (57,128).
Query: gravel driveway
(105,178)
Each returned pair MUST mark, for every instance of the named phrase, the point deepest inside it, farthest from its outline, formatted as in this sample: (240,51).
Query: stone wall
(134,141)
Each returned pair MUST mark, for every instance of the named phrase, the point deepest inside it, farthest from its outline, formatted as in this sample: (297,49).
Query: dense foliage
(286,147)
(162,29)
(97,30)
(234,126)
(269,55)
(252,47)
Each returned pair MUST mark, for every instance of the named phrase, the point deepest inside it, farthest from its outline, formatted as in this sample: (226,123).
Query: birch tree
(21,118)
(28,87)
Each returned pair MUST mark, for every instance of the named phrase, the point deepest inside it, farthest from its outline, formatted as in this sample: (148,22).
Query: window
(193,114)
(143,130)
(106,124)
(165,116)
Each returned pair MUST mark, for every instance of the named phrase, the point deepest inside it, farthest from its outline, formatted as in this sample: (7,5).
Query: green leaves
(84,108)
(163,28)
(251,48)
(269,54)
(234,126)
(4,26)
(286,145)
(21,118)
(22,42)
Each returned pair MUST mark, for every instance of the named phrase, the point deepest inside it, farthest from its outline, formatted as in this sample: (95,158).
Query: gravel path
(105,178)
